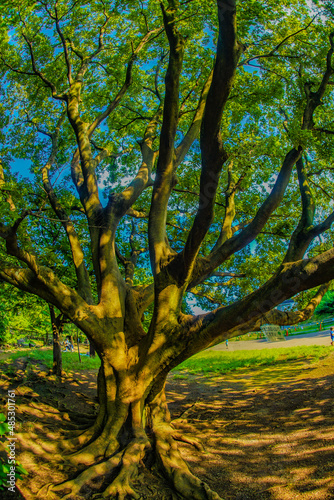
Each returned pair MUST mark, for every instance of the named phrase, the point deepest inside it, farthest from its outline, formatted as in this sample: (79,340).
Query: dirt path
(312,338)
(268,434)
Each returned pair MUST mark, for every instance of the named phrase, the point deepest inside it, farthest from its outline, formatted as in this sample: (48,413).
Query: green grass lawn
(220,362)
(210,362)
(70,359)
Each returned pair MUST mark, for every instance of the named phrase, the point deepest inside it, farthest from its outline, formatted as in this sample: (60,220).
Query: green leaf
(3,429)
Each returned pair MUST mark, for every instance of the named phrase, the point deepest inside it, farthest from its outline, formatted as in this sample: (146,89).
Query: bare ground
(268,434)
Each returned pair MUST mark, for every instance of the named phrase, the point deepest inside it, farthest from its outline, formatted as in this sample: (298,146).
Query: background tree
(57,324)
(214,150)
(326,306)
(23,316)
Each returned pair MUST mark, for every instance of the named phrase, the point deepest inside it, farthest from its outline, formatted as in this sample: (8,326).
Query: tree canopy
(182,154)
(22,316)
(326,306)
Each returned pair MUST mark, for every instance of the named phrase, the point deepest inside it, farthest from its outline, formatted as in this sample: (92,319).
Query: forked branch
(76,249)
(212,149)
(290,279)
(159,248)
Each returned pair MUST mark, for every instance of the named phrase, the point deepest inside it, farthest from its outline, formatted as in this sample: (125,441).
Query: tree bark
(92,351)
(57,323)
(57,365)
(133,427)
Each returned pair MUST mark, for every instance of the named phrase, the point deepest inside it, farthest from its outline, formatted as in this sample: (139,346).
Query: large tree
(214,147)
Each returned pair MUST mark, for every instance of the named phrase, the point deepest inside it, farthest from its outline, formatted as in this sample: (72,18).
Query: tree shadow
(266,440)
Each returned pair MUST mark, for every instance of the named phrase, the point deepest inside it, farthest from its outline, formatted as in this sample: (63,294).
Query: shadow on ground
(268,434)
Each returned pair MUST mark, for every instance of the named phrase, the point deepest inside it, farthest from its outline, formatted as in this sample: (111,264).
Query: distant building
(286,305)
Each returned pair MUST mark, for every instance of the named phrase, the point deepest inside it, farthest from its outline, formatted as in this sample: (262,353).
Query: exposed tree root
(94,451)
(77,439)
(45,491)
(131,457)
(176,470)
(193,442)
(97,449)
(126,462)
(111,451)
(83,437)
(73,486)
(169,457)
(82,418)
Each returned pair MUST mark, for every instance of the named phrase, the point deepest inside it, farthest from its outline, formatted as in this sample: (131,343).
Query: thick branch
(281,318)
(193,131)
(77,253)
(290,279)
(13,248)
(249,233)
(102,222)
(213,152)
(302,236)
(159,248)
(226,230)
(323,226)
(314,98)
(121,204)
(277,317)
(144,297)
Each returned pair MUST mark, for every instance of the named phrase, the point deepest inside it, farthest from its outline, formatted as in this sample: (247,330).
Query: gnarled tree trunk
(132,428)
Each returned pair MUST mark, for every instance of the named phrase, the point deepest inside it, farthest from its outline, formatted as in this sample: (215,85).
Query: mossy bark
(132,430)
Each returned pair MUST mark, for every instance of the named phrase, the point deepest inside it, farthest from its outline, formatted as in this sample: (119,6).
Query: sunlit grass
(218,362)
(70,359)
(223,362)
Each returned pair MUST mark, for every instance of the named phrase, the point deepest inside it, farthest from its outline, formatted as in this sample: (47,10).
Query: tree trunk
(57,364)
(92,351)
(71,339)
(132,428)
(57,323)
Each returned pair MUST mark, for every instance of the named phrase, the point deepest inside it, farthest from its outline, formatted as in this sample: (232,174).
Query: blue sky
(21,167)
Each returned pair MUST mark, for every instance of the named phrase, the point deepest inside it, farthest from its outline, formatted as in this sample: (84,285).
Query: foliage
(266,90)
(3,425)
(4,334)
(24,315)
(4,466)
(326,306)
